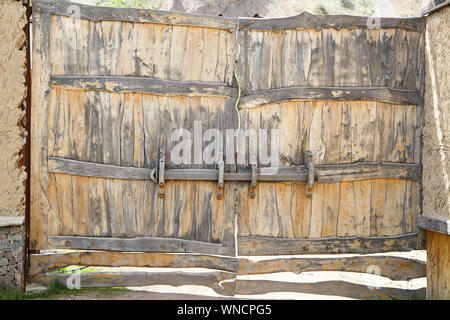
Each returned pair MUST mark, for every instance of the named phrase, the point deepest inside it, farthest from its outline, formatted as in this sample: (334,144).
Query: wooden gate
(111,85)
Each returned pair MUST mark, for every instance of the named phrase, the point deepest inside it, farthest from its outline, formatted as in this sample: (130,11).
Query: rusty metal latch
(162,162)
(254,181)
(311,174)
(221,166)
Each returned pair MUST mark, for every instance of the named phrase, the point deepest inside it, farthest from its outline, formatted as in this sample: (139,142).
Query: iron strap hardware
(162,162)
(221,166)
(311,174)
(254,181)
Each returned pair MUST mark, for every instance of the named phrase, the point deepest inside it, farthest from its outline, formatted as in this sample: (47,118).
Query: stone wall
(436,134)
(11,255)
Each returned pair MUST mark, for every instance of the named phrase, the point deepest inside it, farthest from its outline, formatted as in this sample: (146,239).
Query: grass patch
(56,289)
(72,269)
(320,9)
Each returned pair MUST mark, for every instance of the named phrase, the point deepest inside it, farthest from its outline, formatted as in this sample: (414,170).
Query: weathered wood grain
(393,267)
(388,95)
(434,224)
(143,244)
(333,288)
(91,169)
(42,263)
(307,20)
(142,84)
(212,280)
(260,245)
(39,205)
(438,272)
(324,173)
(96,14)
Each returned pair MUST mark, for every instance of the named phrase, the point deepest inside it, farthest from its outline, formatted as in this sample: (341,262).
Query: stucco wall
(436,148)
(12,95)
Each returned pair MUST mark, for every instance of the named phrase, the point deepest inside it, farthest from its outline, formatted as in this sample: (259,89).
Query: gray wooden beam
(389,95)
(331,288)
(390,266)
(435,224)
(141,244)
(92,169)
(143,84)
(324,173)
(142,278)
(259,245)
(307,20)
(94,13)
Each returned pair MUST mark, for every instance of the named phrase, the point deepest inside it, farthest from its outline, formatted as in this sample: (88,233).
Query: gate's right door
(352,98)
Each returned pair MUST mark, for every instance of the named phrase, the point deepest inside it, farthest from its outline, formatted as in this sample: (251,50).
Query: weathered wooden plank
(438,272)
(41,263)
(91,169)
(348,214)
(435,224)
(333,288)
(97,207)
(80,205)
(393,222)
(54,225)
(143,84)
(331,131)
(177,52)
(260,245)
(325,173)
(377,207)
(317,211)
(143,244)
(39,205)
(393,267)
(161,50)
(212,280)
(383,94)
(332,193)
(134,15)
(307,20)
(194,53)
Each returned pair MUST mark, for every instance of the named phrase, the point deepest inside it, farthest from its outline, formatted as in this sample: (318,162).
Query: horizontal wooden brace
(141,244)
(330,288)
(212,279)
(324,173)
(307,20)
(42,263)
(435,224)
(390,266)
(143,84)
(383,94)
(259,245)
(95,13)
(92,169)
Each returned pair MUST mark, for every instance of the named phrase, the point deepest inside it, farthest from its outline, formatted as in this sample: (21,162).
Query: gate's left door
(109,88)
